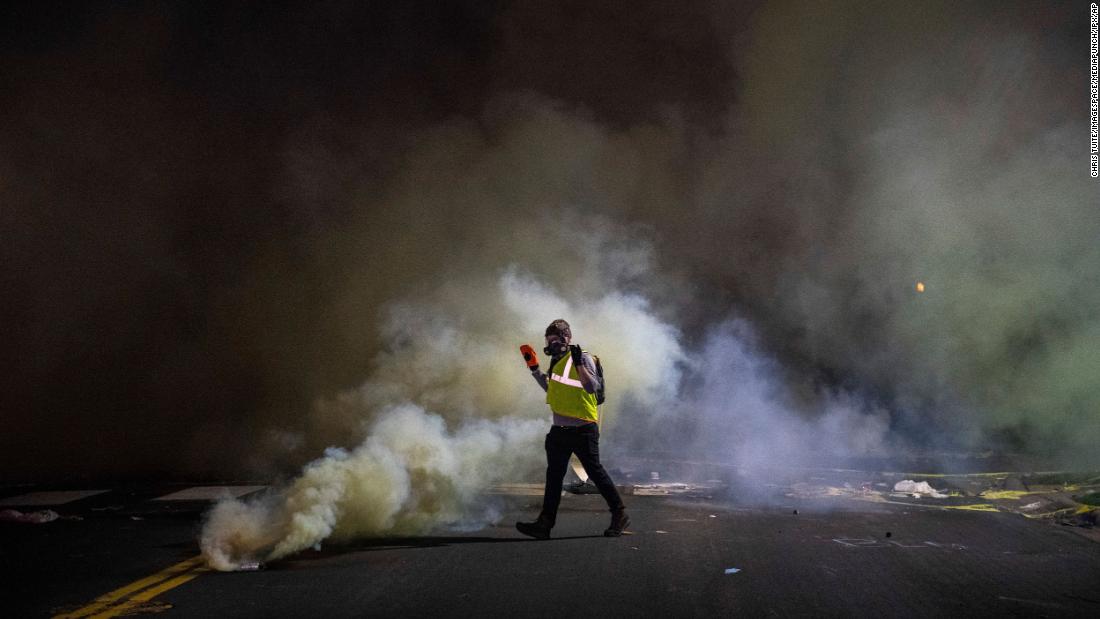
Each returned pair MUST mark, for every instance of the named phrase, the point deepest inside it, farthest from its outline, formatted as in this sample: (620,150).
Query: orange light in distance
(920,286)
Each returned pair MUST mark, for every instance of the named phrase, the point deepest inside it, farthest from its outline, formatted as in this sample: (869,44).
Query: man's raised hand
(530,357)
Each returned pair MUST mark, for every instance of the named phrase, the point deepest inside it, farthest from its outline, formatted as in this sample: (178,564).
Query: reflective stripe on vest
(563,378)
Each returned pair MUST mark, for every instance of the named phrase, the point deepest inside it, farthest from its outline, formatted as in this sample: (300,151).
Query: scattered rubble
(1084,517)
(39,517)
(705,491)
(817,491)
(658,489)
(1051,496)
(918,490)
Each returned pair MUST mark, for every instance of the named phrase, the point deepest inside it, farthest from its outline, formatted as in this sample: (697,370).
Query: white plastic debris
(915,489)
(732,570)
(1031,506)
(40,517)
(659,489)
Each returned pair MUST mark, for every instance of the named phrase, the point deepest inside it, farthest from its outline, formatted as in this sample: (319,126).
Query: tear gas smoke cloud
(939,146)
(451,411)
(791,168)
(454,349)
(748,415)
(409,476)
(450,361)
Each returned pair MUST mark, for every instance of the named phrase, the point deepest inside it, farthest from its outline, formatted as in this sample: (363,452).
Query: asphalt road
(832,558)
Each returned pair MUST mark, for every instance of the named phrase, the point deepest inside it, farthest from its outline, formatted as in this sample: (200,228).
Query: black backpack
(600,397)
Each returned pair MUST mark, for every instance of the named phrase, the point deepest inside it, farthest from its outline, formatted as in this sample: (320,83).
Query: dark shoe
(582,487)
(537,529)
(619,522)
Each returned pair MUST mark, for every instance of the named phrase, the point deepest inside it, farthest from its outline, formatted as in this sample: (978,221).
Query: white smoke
(450,410)
(409,476)
(749,415)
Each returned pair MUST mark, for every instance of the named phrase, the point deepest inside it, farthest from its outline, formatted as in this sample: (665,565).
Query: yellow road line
(148,594)
(1005,494)
(977,507)
(106,600)
(974,507)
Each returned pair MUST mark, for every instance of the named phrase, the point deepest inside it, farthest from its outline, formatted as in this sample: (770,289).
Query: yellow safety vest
(566,395)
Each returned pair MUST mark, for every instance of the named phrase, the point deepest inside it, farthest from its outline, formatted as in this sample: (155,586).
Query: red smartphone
(529,356)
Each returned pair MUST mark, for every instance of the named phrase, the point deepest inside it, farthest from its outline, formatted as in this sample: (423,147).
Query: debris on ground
(817,491)
(918,489)
(732,570)
(39,517)
(1087,518)
(661,489)
(670,488)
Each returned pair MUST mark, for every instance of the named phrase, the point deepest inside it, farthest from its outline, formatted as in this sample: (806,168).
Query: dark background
(182,201)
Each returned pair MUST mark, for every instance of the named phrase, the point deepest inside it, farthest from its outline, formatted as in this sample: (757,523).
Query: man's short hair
(559,328)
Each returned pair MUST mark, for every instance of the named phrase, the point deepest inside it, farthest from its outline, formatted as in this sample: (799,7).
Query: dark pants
(584,441)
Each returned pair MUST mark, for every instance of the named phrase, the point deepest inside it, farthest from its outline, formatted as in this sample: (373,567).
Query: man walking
(571,386)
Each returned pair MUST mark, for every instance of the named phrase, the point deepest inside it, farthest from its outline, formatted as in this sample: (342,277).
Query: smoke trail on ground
(409,476)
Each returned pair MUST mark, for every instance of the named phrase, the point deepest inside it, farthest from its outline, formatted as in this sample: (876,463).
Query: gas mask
(556,348)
